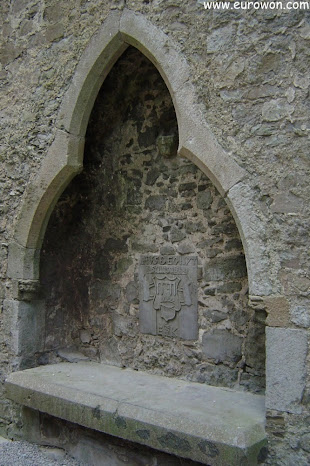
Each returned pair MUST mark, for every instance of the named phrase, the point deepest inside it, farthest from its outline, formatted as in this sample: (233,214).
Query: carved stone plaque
(168,296)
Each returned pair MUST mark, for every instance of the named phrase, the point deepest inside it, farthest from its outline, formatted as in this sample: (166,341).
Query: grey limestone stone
(167,250)
(71,355)
(287,350)
(214,315)
(177,234)
(85,336)
(144,247)
(187,187)
(229,287)
(4,440)
(219,38)
(155,202)
(300,315)
(174,415)
(305,442)
(222,345)
(115,244)
(186,248)
(152,176)
(286,203)
(25,323)
(168,296)
(23,262)
(132,292)
(204,200)
(122,265)
(276,110)
(105,290)
(252,232)
(225,268)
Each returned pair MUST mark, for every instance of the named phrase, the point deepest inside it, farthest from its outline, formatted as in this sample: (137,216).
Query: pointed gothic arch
(64,158)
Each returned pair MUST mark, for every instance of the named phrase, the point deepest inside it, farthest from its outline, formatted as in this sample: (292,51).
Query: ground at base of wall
(28,454)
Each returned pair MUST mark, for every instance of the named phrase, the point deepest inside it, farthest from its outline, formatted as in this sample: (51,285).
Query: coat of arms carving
(168,296)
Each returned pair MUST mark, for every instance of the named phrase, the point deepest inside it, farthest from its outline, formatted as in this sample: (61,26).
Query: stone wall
(136,197)
(250,70)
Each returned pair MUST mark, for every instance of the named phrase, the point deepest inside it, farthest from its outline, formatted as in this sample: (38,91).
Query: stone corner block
(24,323)
(23,263)
(287,350)
(278,311)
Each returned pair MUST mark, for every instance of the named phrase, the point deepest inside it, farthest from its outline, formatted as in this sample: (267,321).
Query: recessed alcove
(132,200)
(135,198)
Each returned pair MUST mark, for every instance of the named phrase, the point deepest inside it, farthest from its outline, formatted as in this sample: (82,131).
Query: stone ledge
(212,425)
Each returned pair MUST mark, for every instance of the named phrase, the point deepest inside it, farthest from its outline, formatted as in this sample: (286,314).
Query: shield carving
(167,296)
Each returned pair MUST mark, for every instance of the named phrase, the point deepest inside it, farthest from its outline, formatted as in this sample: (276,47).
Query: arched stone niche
(207,165)
(25,310)
(137,200)
(196,142)
(64,161)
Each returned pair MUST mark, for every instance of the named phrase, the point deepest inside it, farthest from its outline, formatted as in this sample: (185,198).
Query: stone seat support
(215,426)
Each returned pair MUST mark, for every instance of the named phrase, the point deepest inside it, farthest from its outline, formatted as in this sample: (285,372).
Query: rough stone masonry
(250,71)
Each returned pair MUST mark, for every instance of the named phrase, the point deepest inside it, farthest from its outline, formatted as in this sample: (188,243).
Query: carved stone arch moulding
(196,142)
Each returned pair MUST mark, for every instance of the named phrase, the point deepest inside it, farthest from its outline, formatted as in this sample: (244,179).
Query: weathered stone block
(105,290)
(152,176)
(300,315)
(168,296)
(155,202)
(116,245)
(187,187)
(225,269)
(177,234)
(23,262)
(124,325)
(254,348)
(132,292)
(144,247)
(54,32)
(253,232)
(204,200)
(102,267)
(305,442)
(276,110)
(8,53)
(25,323)
(222,345)
(286,203)
(285,368)
(195,421)
(122,265)
(220,39)
(217,375)
(229,287)
(277,308)
(167,250)
(186,248)
(215,316)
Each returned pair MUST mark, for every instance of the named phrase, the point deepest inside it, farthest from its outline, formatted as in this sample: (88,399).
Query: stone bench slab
(215,426)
